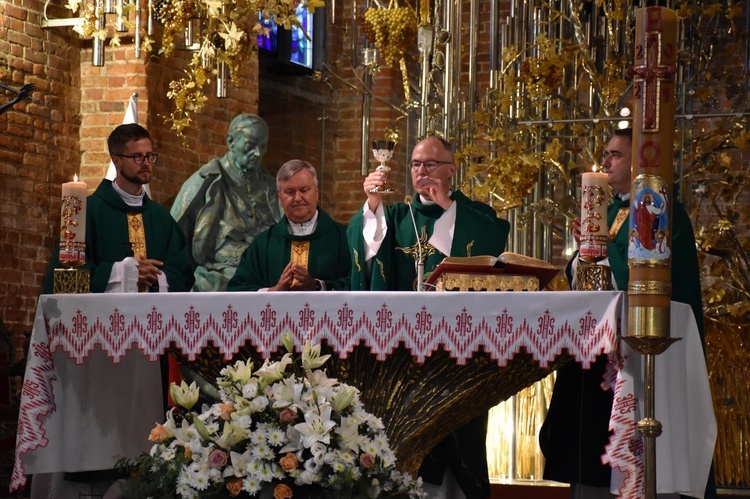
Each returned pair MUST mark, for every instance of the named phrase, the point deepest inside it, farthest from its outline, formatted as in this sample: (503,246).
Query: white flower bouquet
(276,433)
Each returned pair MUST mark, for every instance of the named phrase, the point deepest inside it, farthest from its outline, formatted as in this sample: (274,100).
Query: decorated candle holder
(72,278)
(72,281)
(593,277)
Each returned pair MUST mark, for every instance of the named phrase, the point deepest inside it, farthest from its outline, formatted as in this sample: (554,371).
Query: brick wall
(321,122)
(38,144)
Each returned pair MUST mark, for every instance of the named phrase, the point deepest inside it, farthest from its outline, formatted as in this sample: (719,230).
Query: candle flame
(596,168)
(75,177)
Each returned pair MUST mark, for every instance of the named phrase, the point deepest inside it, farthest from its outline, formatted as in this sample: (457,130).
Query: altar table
(71,330)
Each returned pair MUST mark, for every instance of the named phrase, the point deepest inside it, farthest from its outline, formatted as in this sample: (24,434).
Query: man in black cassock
(576,428)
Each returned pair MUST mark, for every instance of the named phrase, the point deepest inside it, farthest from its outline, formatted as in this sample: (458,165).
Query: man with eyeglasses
(227,203)
(576,428)
(120,217)
(385,250)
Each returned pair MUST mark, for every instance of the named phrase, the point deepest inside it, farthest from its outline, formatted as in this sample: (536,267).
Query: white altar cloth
(584,323)
(684,407)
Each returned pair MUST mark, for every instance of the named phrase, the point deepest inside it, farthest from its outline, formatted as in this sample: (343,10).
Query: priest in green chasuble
(383,242)
(305,251)
(128,396)
(383,239)
(120,216)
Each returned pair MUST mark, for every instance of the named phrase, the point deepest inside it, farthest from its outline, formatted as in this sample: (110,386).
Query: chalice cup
(383,151)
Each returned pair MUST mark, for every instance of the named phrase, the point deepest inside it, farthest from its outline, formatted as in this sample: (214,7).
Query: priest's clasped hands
(295,278)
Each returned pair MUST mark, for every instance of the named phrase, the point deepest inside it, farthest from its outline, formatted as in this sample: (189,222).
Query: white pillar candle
(594,229)
(73,223)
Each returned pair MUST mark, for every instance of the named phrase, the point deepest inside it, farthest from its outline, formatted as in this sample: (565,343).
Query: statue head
(247,139)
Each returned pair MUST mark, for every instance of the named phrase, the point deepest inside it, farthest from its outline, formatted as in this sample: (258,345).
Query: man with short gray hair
(305,251)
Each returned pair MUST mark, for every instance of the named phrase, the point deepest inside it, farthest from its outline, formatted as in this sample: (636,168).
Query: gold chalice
(383,151)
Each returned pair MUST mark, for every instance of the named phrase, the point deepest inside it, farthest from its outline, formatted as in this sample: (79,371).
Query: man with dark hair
(223,206)
(385,250)
(120,401)
(576,428)
(305,251)
(120,217)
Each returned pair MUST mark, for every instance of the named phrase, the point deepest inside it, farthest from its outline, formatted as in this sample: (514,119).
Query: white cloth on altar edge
(683,405)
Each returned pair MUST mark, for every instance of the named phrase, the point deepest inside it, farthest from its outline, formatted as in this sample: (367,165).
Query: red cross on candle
(653,77)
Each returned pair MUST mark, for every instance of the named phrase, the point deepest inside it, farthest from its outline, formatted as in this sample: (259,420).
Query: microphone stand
(420,260)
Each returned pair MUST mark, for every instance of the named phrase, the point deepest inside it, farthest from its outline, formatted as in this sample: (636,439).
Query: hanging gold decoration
(227,33)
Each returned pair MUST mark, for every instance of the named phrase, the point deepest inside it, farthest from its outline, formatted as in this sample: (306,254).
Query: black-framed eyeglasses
(429,165)
(139,158)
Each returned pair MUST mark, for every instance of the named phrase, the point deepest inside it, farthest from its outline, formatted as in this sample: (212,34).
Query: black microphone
(420,261)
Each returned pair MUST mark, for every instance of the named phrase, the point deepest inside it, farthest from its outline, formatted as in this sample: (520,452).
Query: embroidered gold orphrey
(622,215)
(137,237)
(300,255)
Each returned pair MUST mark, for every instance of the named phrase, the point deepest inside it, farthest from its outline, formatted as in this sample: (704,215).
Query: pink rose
(288,416)
(217,458)
(366,460)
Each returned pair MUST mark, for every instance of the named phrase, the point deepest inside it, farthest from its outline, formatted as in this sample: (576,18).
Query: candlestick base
(592,277)
(648,322)
(72,281)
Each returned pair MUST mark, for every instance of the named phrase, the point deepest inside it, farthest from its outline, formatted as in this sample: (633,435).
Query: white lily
(241,372)
(271,372)
(348,435)
(317,427)
(286,393)
(343,398)
(288,341)
(230,436)
(311,358)
(184,395)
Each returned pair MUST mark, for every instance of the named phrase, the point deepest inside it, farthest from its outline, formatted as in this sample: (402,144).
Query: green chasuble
(264,260)
(478,231)
(108,240)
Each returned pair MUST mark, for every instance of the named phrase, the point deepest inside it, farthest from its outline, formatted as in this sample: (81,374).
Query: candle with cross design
(594,231)
(649,251)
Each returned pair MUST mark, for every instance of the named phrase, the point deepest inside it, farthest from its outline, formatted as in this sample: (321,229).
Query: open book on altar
(508,265)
